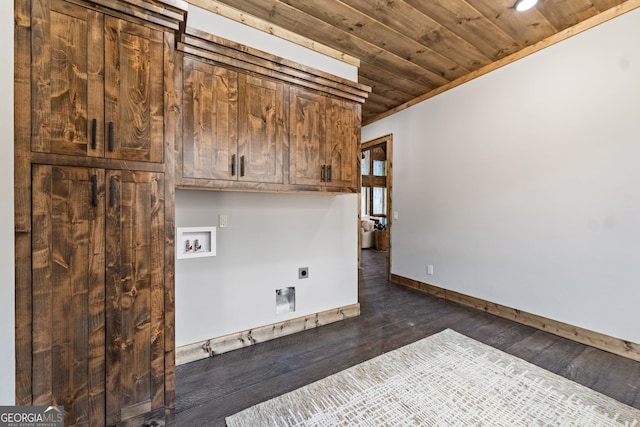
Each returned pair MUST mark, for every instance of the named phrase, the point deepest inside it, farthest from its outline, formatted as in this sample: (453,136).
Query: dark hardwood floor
(391,316)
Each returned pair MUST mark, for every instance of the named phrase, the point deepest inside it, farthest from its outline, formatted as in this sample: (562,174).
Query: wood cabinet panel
(342,136)
(67,85)
(233,125)
(306,137)
(324,139)
(134,91)
(134,294)
(68,291)
(261,129)
(98,85)
(98,283)
(81,65)
(210,120)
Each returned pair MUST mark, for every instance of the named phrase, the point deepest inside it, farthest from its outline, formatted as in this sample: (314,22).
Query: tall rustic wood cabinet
(94,223)
(117,103)
(98,291)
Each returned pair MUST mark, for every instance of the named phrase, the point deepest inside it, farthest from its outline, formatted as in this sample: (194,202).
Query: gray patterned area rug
(446,379)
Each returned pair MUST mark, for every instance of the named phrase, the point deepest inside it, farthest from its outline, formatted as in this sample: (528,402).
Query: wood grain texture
(267,27)
(425,45)
(135,294)
(68,292)
(210,120)
(67,65)
(219,345)
(173,114)
(607,15)
(266,64)
(61,229)
(306,136)
(342,140)
(134,92)
(170,14)
(324,140)
(604,342)
(261,129)
(22,201)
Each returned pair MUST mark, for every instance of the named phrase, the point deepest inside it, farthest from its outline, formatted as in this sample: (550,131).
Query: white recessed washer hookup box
(195,242)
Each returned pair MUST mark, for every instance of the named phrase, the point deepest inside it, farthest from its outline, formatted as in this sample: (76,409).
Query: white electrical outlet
(223,221)
(430,270)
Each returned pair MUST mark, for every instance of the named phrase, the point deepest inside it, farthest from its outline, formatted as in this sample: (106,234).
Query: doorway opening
(375,198)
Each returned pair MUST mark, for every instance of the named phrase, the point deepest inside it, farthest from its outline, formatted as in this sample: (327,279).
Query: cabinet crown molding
(207,46)
(171,14)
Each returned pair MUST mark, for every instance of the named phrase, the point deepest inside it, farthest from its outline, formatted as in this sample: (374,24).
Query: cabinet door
(342,142)
(306,137)
(135,244)
(261,129)
(67,85)
(68,292)
(134,91)
(210,121)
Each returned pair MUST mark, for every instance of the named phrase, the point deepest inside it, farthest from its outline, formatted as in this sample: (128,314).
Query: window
(374,183)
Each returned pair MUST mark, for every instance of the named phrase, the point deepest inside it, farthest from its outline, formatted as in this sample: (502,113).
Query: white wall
(268,238)
(204,20)
(7,285)
(521,187)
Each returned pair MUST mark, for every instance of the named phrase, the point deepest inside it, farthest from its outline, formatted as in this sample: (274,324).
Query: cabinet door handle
(94,130)
(111,137)
(233,165)
(329,173)
(241,165)
(94,199)
(112,191)
(323,173)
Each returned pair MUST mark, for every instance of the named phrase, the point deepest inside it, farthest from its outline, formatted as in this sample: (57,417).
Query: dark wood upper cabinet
(324,138)
(98,85)
(307,115)
(342,142)
(210,120)
(254,121)
(261,133)
(233,125)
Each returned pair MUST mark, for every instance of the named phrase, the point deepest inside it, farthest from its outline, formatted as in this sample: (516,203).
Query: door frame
(388,141)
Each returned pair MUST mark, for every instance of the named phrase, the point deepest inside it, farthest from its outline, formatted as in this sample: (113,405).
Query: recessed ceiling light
(522,5)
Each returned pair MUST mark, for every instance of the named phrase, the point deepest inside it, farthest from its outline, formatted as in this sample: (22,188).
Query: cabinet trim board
(207,46)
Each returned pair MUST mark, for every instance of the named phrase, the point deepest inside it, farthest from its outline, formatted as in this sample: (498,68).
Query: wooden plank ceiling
(409,48)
